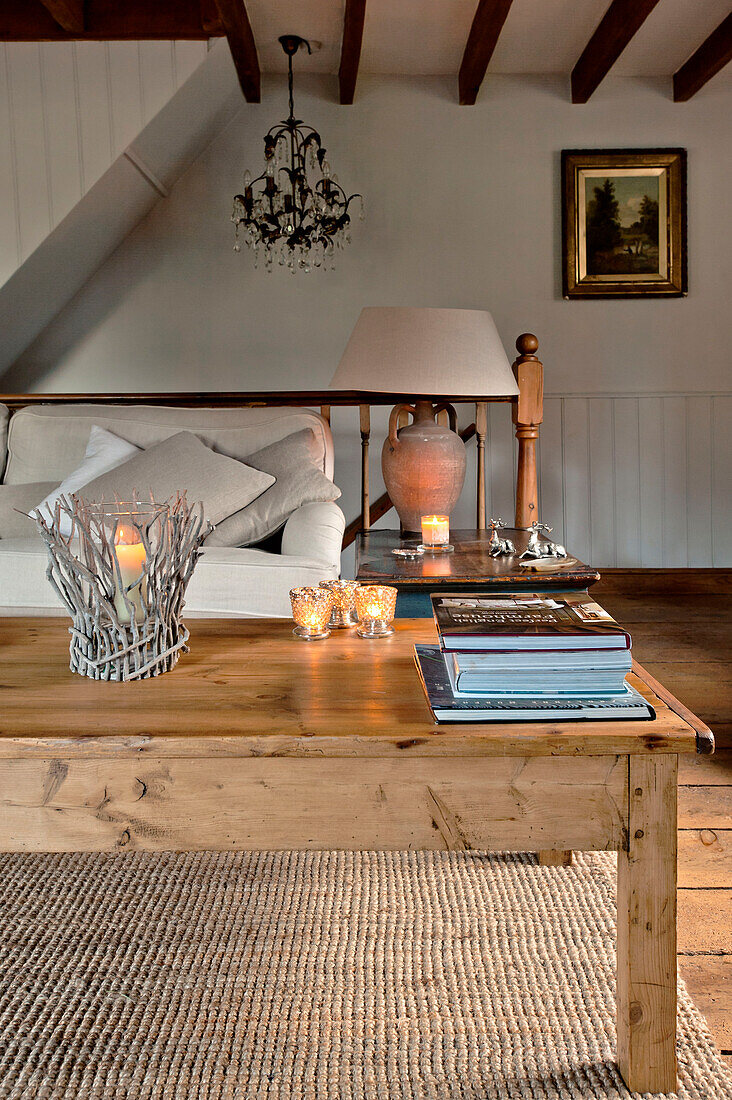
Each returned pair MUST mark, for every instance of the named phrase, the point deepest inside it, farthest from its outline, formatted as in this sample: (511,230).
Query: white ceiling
(428,36)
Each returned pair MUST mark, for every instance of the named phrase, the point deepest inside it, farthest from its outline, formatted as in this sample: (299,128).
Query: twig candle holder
(122,573)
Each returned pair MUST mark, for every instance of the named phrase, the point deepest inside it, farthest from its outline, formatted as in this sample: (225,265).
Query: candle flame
(126,535)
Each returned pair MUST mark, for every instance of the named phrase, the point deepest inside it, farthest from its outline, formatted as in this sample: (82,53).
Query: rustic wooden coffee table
(258,741)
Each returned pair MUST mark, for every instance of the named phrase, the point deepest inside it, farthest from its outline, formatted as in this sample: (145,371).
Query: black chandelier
(296,212)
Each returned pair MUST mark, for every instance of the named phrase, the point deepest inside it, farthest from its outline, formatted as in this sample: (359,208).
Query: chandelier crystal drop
(295,213)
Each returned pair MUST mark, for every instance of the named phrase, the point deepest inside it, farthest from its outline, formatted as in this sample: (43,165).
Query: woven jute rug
(316,976)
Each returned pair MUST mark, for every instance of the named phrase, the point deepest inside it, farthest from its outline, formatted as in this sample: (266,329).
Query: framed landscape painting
(624,223)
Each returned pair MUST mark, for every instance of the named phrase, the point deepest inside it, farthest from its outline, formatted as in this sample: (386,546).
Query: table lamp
(427,354)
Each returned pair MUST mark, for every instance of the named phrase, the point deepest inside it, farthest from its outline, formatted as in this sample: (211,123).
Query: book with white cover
(533,681)
(578,671)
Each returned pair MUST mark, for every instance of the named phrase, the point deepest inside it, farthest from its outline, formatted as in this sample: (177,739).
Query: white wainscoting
(630,480)
(625,480)
(67,110)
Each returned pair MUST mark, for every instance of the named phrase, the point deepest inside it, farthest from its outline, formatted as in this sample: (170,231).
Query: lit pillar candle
(435,530)
(130,554)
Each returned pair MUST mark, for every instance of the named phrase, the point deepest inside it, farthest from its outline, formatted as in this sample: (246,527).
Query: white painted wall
(462,210)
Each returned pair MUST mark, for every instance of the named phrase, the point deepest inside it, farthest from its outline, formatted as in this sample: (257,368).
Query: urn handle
(445,406)
(394,421)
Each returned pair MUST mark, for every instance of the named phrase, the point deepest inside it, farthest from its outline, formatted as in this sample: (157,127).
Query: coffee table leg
(646,943)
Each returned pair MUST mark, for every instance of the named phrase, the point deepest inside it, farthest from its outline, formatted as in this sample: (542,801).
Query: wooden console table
(468,568)
(259,741)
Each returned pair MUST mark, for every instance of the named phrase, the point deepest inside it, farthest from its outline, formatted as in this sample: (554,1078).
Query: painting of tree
(603,227)
(622,225)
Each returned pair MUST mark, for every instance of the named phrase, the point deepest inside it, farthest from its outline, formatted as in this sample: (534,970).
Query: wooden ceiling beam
(69,14)
(235,21)
(351,48)
(706,62)
(109,20)
(620,22)
(210,19)
(484,33)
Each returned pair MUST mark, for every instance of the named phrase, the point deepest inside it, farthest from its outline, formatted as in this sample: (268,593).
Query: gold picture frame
(624,223)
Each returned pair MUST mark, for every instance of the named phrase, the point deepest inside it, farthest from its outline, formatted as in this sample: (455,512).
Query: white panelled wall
(463,209)
(67,110)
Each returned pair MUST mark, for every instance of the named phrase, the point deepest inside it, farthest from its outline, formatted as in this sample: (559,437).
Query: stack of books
(527,658)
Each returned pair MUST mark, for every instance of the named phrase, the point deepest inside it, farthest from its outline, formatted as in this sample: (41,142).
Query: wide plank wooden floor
(681,624)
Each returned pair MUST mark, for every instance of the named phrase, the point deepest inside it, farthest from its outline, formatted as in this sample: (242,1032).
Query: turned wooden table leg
(646,944)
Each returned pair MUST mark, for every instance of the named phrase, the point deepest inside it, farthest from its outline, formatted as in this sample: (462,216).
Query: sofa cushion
(183,464)
(104,451)
(15,499)
(47,442)
(293,462)
(4,418)
(226,581)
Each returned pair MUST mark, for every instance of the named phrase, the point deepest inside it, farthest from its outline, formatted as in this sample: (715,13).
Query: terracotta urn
(423,464)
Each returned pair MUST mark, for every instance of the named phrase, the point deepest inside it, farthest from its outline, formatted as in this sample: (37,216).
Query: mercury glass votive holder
(344,602)
(375,607)
(311,608)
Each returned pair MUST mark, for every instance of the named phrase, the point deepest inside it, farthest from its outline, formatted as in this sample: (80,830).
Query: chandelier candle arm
(295,212)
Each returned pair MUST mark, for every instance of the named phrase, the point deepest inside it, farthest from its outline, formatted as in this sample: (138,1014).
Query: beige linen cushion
(295,465)
(15,499)
(182,463)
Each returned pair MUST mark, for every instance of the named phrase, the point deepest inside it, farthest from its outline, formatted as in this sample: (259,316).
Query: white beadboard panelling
(123,59)
(627,481)
(63,138)
(576,476)
(551,503)
(29,130)
(722,480)
(9,227)
(67,110)
(94,110)
(188,55)
(500,478)
(602,482)
(157,82)
(650,427)
(674,482)
(698,479)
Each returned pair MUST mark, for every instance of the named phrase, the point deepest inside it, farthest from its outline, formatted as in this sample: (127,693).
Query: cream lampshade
(425,353)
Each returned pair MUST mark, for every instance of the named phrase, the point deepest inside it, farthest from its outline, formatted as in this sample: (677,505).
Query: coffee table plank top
(249,688)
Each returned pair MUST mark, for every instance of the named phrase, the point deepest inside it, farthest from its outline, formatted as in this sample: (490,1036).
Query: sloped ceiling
(70,253)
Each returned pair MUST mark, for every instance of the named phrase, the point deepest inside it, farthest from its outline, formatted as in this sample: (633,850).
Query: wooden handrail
(224,399)
(527,416)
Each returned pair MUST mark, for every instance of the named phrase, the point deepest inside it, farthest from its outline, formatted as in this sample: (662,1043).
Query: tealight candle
(435,531)
(311,608)
(130,554)
(375,607)
(344,602)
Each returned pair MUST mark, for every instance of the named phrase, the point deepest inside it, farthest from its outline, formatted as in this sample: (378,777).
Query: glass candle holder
(344,602)
(436,534)
(375,607)
(311,608)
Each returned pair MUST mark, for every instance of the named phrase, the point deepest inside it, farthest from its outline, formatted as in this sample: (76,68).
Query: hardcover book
(534,621)
(446,707)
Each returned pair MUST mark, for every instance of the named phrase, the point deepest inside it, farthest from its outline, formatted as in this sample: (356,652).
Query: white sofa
(46,442)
